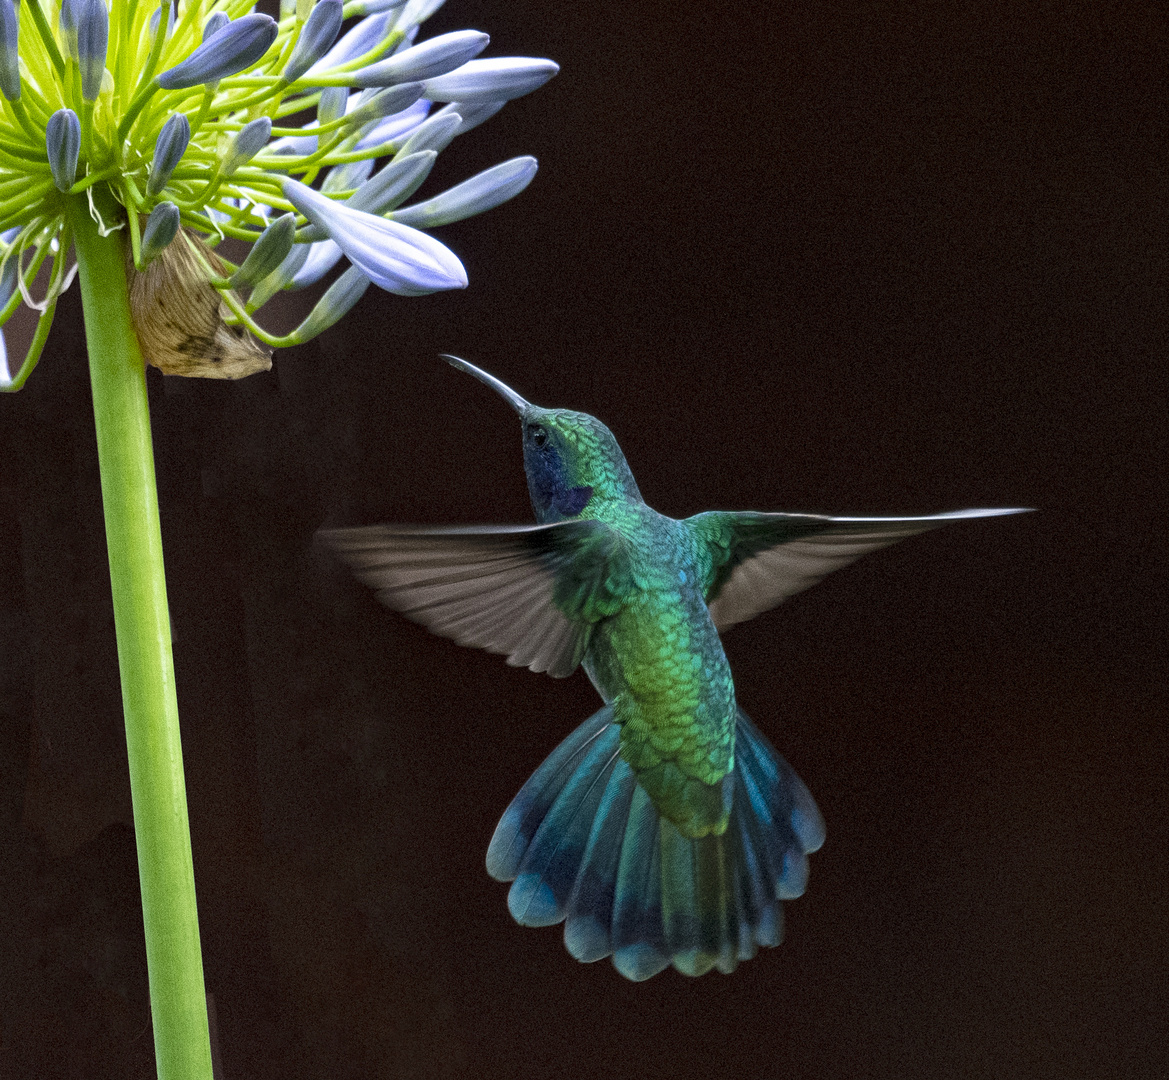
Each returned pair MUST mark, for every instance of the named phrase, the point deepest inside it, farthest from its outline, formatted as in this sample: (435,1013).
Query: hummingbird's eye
(538,435)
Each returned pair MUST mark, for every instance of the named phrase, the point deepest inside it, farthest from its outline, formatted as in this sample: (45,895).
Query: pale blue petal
(393,128)
(322,257)
(418,11)
(472,112)
(236,47)
(363,37)
(501,78)
(435,134)
(335,304)
(316,37)
(436,56)
(483,192)
(395,257)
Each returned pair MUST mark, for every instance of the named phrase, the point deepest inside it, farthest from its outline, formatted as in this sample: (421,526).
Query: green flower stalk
(135,137)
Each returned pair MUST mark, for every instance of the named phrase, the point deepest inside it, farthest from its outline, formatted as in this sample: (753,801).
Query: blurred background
(868,257)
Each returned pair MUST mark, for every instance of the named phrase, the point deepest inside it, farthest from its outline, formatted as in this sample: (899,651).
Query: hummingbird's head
(570,458)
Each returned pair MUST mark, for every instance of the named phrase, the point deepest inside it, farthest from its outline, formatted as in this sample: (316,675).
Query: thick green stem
(141,620)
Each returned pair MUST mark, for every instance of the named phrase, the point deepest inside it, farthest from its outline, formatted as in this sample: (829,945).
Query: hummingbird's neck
(556,499)
(573,464)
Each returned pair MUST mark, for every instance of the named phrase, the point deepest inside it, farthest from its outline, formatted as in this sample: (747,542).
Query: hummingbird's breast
(660,662)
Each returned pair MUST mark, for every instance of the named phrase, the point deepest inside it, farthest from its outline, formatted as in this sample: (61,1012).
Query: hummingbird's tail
(583,842)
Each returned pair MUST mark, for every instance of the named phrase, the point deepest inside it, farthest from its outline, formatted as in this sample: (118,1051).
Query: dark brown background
(873,257)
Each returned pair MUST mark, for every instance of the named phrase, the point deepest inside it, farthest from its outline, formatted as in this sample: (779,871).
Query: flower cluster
(191,124)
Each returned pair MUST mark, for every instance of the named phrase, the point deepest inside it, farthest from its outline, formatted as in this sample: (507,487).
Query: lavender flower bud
(170,20)
(473,113)
(351,175)
(363,37)
(418,11)
(161,227)
(399,259)
(373,7)
(434,134)
(394,184)
(268,252)
(280,278)
(67,20)
(499,79)
(168,152)
(483,192)
(214,24)
(9,56)
(387,102)
(236,47)
(322,257)
(249,141)
(316,37)
(62,145)
(339,298)
(391,187)
(93,31)
(434,57)
(395,128)
(332,104)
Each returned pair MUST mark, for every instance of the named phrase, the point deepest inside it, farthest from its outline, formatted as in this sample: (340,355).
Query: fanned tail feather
(584,845)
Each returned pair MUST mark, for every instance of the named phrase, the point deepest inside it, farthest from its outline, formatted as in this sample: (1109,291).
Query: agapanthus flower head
(188,125)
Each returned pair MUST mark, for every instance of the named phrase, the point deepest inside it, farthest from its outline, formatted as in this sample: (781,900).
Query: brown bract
(180,317)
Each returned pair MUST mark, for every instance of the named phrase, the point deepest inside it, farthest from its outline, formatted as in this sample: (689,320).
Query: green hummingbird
(665,829)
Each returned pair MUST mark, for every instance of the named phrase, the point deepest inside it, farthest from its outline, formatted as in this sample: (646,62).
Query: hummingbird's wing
(531,592)
(759,560)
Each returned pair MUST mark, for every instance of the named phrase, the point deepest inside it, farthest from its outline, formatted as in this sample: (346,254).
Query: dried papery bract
(181,318)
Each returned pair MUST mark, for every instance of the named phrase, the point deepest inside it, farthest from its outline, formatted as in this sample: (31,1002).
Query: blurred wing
(759,560)
(530,592)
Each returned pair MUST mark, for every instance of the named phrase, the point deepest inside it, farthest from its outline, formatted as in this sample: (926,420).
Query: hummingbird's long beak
(500,388)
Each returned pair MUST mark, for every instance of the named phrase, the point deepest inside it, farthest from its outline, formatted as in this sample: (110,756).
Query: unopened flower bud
(267,253)
(394,184)
(93,31)
(168,152)
(9,55)
(397,258)
(322,257)
(336,303)
(229,51)
(213,25)
(483,192)
(332,104)
(247,144)
(435,134)
(383,103)
(498,79)
(62,145)
(160,230)
(372,7)
(357,41)
(473,113)
(155,19)
(434,57)
(317,36)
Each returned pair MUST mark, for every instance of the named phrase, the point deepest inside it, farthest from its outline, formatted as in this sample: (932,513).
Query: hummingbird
(665,829)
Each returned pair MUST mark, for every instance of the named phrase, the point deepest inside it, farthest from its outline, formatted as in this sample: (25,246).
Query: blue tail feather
(585,845)
(590,908)
(548,870)
(521,819)
(639,951)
